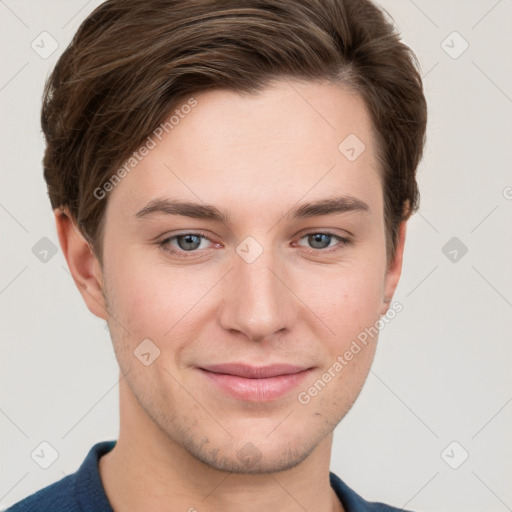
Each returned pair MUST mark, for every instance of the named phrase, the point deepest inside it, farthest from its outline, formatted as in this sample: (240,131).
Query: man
(231,183)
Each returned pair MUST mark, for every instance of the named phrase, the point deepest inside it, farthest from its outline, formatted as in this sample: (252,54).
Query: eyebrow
(332,206)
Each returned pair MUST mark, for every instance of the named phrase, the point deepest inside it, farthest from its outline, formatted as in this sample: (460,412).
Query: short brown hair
(131,62)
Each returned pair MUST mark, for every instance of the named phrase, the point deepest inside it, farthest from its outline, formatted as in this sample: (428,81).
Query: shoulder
(56,496)
(352,502)
(79,492)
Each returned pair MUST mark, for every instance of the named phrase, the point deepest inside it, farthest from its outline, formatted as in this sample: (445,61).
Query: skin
(255,156)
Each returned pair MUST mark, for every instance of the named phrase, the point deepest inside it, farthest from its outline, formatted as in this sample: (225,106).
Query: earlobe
(394,270)
(82,262)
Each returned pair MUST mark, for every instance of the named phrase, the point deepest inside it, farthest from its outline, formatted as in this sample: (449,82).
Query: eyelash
(342,242)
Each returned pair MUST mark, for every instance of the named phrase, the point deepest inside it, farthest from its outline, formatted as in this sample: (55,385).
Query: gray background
(442,370)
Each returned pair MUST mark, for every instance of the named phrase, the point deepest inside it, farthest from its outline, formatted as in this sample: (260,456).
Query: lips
(255,383)
(255,372)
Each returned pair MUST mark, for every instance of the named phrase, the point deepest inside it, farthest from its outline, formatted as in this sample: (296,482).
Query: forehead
(248,151)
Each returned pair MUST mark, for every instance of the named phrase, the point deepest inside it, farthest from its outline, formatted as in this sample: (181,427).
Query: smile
(255,384)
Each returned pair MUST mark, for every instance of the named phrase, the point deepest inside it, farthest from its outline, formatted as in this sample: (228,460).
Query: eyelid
(168,239)
(342,242)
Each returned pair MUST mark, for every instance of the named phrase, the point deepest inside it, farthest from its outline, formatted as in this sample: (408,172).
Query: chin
(241,455)
(250,460)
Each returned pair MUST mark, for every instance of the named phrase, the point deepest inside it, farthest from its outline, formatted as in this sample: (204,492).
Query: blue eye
(186,242)
(191,244)
(321,241)
(318,240)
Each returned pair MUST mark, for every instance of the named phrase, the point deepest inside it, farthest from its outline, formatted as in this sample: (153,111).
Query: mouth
(255,383)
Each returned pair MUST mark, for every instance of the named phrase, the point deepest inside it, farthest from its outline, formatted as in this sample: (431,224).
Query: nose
(257,298)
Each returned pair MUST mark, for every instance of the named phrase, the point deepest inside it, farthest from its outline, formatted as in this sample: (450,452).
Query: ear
(82,262)
(394,270)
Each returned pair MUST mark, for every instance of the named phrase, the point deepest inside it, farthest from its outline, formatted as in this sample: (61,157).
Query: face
(253,290)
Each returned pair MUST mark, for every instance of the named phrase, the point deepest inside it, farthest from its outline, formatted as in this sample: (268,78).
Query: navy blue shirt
(83,491)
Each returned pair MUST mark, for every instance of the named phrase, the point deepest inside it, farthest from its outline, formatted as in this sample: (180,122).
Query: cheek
(348,303)
(155,300)
(346,297)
